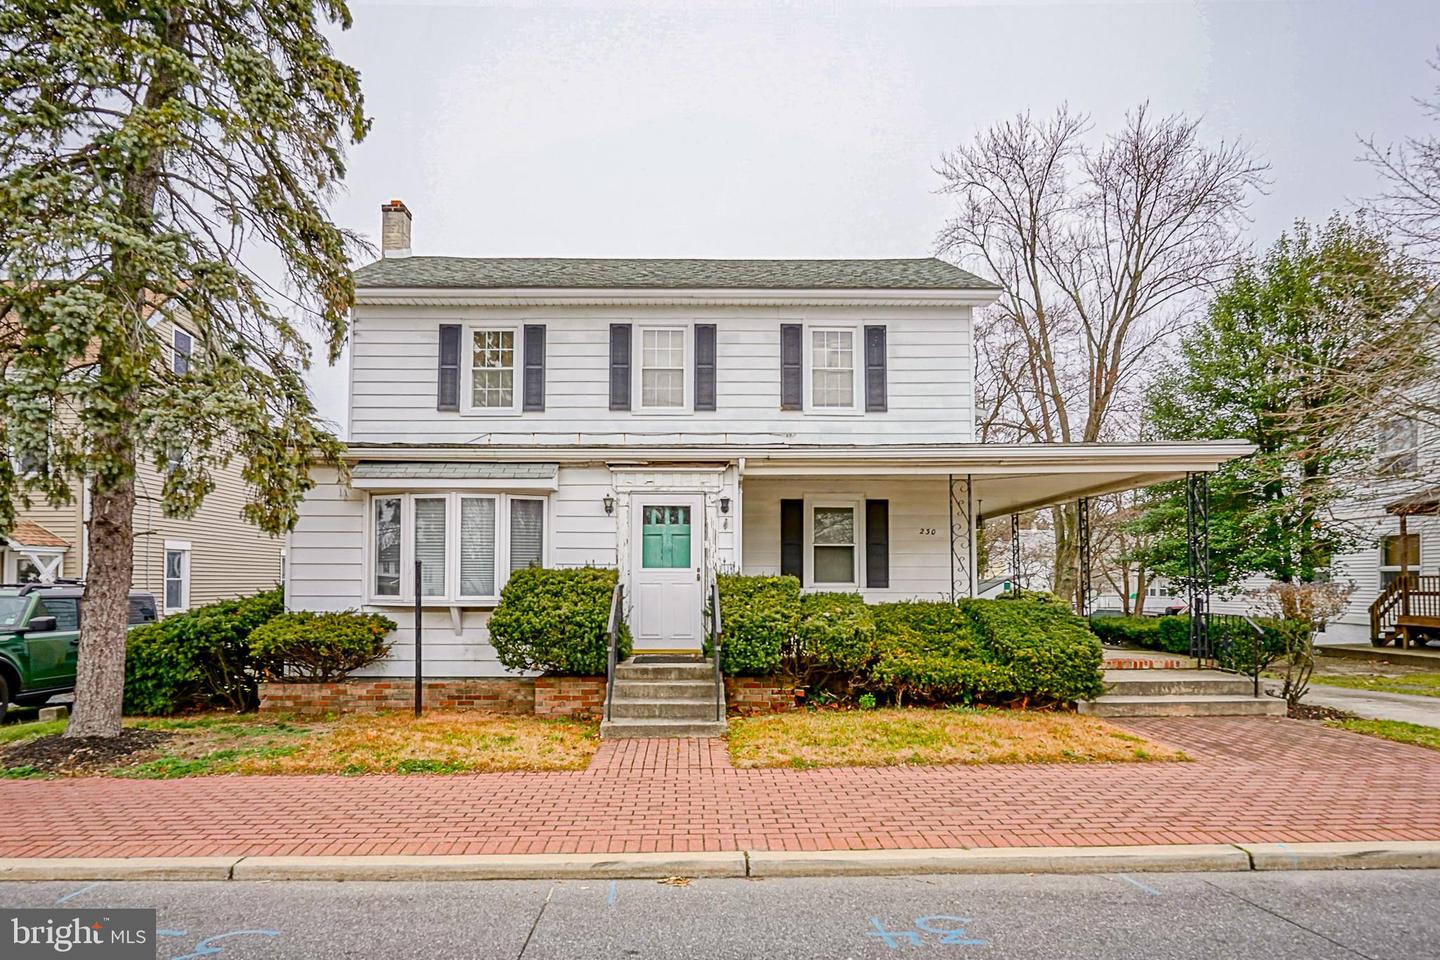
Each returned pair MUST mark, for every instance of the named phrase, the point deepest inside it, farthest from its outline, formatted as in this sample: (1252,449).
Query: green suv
(40,636)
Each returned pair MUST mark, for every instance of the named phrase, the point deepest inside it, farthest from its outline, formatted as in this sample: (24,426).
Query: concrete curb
(540,866)
(1190,857)
(1392,855)
(1422,854)
(117,868)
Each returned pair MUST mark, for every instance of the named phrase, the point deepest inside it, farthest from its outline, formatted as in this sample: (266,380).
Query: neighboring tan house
(185,563)
(673,419)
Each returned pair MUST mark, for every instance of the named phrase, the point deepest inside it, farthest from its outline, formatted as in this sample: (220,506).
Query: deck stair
(664,696)
(1182,692)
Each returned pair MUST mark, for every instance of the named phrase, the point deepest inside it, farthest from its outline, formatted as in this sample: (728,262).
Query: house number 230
(927,531)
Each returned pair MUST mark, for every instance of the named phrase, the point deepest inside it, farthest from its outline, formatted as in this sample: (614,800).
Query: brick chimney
(394,229)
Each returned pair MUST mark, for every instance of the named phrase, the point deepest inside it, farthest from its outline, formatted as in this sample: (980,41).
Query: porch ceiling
(1013,478)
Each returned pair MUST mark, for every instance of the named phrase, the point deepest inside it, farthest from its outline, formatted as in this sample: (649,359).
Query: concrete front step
(1182,706)
(665,689)
(700,670)
(648,727)
(1167,683)
(663,709)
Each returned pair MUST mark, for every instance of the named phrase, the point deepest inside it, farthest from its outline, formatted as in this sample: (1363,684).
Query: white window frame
(181,547)
(853,502)
(857,359)
(1396,568)
(452,595)
(687,368)
(176,353)
(467,370)
(1397,453)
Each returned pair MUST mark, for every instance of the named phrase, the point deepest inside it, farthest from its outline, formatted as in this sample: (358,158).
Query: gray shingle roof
(511,272)
(372,470)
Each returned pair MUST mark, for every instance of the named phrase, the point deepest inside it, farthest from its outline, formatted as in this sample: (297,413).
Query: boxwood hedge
(554,620)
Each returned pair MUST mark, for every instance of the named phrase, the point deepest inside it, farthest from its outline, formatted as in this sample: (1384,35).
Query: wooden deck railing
(1407,597)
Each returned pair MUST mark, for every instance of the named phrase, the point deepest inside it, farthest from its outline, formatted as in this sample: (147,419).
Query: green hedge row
(554,621)
(1010,649)
(1240,647)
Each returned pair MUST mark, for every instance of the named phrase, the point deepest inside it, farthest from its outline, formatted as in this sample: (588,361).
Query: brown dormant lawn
(877,738)
(216,744)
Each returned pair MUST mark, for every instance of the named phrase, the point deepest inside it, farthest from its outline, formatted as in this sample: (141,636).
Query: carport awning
(1010,478)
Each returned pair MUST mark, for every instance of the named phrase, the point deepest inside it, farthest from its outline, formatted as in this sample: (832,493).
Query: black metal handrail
(717,631)
(612,632)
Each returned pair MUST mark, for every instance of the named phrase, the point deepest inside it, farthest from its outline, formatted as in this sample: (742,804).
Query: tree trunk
(1064,578)
(100,673)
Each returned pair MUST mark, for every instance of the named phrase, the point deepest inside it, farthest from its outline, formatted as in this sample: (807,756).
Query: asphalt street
(1303,915)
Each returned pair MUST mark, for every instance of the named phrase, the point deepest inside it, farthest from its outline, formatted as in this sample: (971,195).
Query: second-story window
(832,369)
(182,345)
(662,369)
(492,370)
(1398,450)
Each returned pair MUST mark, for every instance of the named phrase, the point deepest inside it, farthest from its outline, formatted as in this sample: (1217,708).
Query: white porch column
(962,536)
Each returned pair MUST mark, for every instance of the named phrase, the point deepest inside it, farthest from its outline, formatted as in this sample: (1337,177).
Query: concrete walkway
(1375,705)
(1252,780)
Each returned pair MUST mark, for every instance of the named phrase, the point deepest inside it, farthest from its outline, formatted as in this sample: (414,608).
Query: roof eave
(582,296)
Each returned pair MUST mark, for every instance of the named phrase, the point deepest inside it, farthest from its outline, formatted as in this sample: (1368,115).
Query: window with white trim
(491,371)
(182,346)
(177,576)
(1398,449)
(832,369)
(834,557)
(662,368)
(467,543)
(1398,554)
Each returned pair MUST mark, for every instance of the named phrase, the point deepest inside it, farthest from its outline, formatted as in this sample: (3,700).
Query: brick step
(1182,706)
(663,709)
(699,670)
(635,727)
(665,689)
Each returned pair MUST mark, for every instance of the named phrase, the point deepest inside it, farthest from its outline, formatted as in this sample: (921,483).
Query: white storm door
(669,546)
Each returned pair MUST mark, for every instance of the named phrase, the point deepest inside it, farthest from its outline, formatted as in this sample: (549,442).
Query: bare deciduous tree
(1100,250)
(1409,202)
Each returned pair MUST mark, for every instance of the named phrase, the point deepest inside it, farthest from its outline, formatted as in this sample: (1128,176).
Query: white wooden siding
(394,360)
(919,561)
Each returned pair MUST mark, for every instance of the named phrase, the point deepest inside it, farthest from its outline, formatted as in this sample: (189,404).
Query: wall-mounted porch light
(724,504)
(609,502)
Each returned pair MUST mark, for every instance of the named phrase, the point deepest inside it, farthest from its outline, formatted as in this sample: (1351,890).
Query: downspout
(739,537)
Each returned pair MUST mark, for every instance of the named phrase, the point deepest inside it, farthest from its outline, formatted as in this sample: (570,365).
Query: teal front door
(668,591)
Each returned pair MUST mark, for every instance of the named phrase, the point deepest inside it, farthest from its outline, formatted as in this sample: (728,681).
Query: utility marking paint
(1143,886)
(72,896)
(206,947)
(610,897)
(952,931)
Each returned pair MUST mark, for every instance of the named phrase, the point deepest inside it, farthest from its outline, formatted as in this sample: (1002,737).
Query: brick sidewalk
(1253,780)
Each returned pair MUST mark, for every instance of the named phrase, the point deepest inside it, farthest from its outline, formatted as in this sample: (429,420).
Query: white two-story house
(673,419)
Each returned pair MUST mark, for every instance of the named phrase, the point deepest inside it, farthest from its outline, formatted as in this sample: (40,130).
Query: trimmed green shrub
(760,617)
(197,659)
(319,647)
(1129,631)
(835,639)
(931,651)
(1046,650)
(554,620)
(1173,635)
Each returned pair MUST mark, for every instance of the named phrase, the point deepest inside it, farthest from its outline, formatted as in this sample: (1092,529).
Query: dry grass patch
(436,743)
(878,738)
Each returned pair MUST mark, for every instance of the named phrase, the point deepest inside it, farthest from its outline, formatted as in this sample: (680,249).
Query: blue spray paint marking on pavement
(952,931)
(169,933)
(72,896)
(207,948)
(610,897)
(891,938)
(1136,883)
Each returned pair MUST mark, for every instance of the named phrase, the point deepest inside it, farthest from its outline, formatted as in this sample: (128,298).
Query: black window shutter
(792,376)
(877,543)
(447,390)
(704,366)
(619,366)
(792,538)
(875,374)
(534,366)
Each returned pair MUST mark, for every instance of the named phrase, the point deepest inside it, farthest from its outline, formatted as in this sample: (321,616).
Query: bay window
(467,544)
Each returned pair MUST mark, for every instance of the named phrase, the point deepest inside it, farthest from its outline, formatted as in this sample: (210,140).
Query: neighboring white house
(674,419)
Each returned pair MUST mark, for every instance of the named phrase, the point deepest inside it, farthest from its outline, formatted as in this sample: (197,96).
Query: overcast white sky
(804,130)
